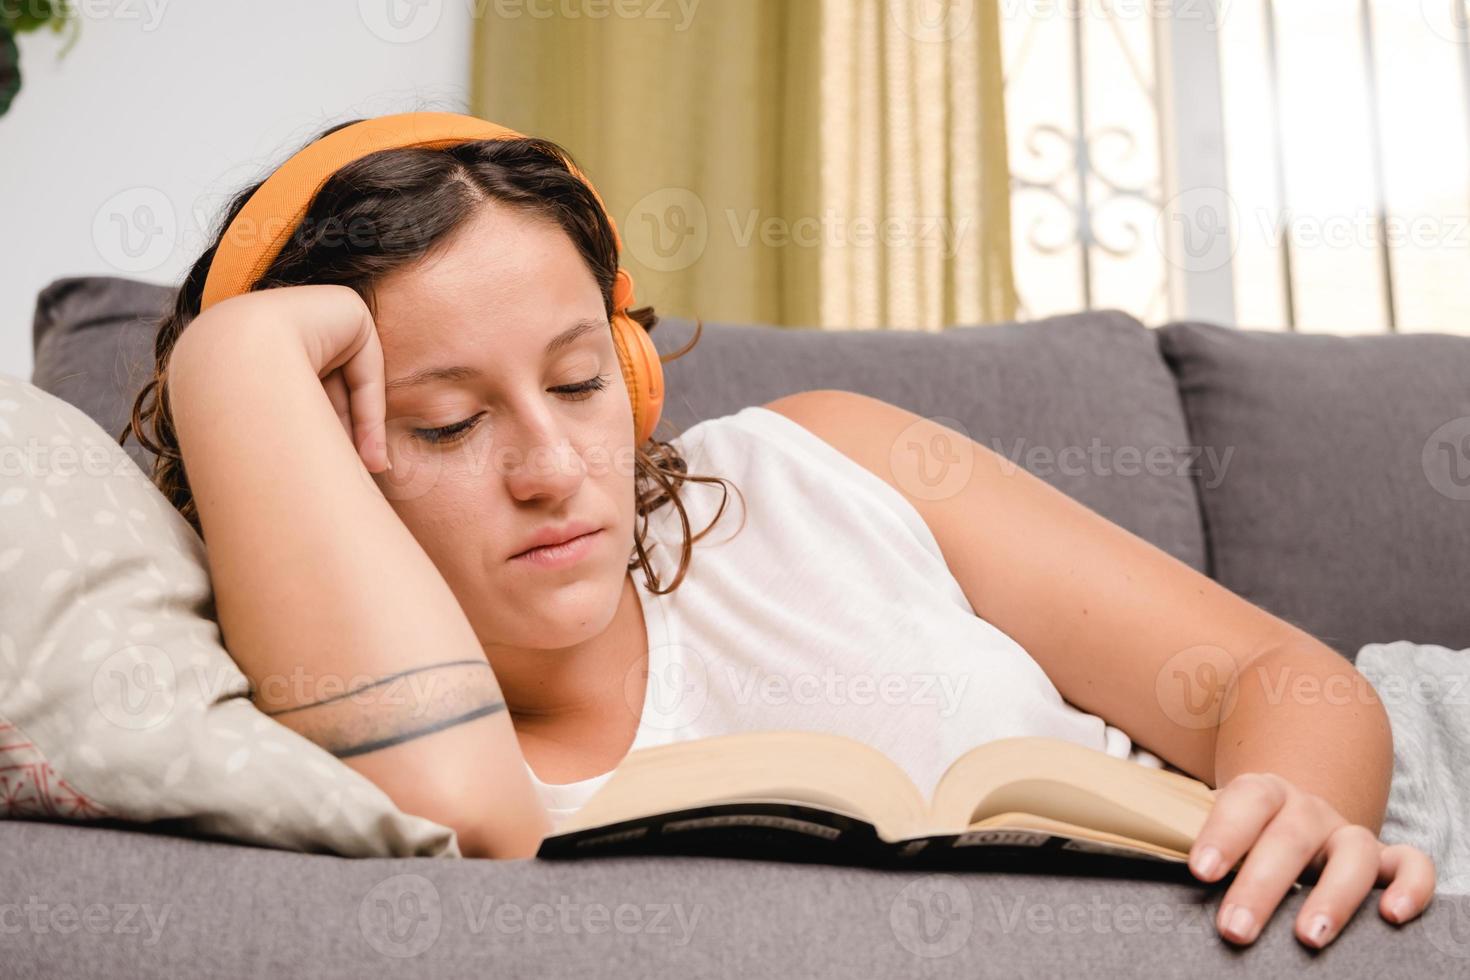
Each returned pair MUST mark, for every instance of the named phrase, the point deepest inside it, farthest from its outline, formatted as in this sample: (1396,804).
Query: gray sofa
(1324,478)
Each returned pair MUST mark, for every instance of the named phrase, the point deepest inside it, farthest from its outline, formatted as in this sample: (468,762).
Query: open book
(812,796)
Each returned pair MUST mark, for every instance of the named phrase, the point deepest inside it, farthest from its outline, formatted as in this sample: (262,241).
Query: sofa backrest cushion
(1345,504)
(93,340)
(1083,401)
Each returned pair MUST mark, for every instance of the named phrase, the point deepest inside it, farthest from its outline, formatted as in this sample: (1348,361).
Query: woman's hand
(339,337)
(1281,831)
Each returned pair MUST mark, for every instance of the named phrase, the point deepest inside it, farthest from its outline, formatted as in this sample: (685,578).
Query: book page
(1028,828)
(1073,784)
(819,769)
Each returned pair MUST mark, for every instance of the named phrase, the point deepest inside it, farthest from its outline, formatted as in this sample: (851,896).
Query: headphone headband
(262,227)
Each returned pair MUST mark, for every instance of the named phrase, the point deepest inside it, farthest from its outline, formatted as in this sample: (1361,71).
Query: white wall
(116,159)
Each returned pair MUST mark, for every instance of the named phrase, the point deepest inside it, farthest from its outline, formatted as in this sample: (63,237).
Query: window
(1294,166)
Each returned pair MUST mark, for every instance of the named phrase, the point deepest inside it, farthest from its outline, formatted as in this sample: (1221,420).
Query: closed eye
(584,389)
(448,433)
(580,391)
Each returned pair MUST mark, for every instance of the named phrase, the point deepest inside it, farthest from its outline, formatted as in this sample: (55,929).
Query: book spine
(779,831)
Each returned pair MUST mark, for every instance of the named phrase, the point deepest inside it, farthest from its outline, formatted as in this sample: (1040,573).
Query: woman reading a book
(407,398)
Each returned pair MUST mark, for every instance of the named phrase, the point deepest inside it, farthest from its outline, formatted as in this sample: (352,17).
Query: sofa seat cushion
(204,909)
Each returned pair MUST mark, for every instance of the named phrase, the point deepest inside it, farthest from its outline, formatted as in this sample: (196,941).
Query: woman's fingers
(1242,810)
(1288,844)
(1409,874)
(363,376)
(1281,831)
(336,389)
(1352,854)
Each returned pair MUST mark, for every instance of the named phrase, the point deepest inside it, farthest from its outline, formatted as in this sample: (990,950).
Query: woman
(398,596)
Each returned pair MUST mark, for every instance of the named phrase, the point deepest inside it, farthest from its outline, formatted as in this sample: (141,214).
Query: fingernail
(1207,862)
(1240,925)
(1398,907)
(1318,930)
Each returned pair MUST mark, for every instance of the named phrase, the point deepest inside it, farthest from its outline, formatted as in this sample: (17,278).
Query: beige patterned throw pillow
(117,699)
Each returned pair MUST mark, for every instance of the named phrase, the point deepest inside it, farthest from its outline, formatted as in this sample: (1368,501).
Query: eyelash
(449,433)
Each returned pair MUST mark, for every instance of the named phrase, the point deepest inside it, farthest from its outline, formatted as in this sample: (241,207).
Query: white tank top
(832,609)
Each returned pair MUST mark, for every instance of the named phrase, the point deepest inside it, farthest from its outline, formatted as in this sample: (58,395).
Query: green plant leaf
(73,27)
(36,13)
(9,69)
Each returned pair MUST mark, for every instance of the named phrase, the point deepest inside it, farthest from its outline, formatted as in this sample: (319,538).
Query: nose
(540,459)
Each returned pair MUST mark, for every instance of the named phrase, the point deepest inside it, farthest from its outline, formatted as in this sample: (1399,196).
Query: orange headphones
(259,231)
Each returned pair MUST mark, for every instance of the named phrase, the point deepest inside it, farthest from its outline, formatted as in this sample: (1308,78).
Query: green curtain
(826,163)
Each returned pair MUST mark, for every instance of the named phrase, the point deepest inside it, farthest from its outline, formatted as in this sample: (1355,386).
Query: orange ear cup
(280,203)
(643,373)
(642,370)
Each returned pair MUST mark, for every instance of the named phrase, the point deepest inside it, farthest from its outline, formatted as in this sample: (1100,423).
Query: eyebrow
(460,372)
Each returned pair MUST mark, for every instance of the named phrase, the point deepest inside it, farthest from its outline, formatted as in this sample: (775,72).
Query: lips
(559,534)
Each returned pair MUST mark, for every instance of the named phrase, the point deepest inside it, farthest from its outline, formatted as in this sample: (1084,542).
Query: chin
(564,615)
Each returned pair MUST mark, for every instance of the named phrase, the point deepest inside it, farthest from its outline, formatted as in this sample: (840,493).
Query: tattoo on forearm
(408,736)
(397,708)
(377,683)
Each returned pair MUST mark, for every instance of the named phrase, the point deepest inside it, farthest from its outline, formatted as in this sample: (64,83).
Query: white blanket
(1426,691)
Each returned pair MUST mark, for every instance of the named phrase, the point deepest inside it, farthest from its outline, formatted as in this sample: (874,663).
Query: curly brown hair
(384,211)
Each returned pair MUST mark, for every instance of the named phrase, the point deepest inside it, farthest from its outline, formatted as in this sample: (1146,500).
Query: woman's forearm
(1303,712)
(322,593)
